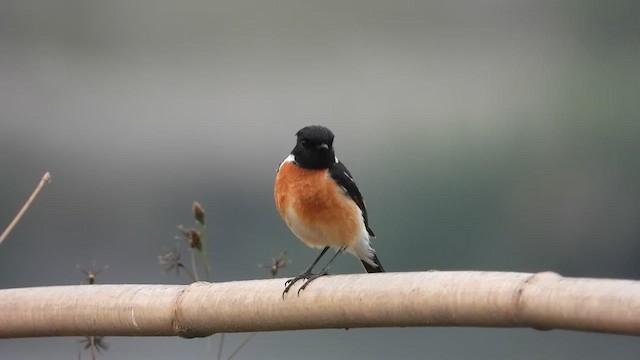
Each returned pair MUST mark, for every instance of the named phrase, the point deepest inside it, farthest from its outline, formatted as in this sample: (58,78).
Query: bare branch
(488,299)
(46,178)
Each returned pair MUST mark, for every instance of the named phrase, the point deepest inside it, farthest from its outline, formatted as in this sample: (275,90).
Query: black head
(314,148)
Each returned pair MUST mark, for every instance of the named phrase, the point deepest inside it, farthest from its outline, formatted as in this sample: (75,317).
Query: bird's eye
(304,143)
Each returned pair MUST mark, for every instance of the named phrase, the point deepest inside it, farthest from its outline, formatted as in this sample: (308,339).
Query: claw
(310,278)
(306,276)
(289,283)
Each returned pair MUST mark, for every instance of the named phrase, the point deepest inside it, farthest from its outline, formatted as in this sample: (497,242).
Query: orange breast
(315,208)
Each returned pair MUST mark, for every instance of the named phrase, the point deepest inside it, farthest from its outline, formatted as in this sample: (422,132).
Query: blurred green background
(485,135)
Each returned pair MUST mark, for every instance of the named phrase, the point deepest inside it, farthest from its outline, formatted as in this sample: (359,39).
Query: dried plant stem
(193,278)
(246,340)
(194,269)
(46,178)
(203,254)
(92,343)
(220,346)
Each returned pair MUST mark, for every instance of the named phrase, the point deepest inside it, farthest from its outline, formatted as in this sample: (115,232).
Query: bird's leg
(305,274)
(322,272)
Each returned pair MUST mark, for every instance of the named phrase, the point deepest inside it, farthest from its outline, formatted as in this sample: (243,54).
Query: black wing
(342,176)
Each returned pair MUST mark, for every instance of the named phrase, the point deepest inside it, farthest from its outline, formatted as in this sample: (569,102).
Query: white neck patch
(289,158)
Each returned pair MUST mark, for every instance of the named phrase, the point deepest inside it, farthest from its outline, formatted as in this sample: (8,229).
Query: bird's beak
(323,146)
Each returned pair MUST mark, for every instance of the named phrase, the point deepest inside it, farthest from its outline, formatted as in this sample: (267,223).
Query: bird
(321,204)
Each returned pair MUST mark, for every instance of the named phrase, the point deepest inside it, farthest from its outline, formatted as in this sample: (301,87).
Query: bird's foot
(307,275)
(291,282)
(312,277)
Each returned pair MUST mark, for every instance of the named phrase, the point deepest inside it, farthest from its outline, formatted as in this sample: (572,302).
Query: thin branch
(242,344)
(465,298)
(46,178)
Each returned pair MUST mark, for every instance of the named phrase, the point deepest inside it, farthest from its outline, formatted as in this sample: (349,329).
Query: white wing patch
(349,176)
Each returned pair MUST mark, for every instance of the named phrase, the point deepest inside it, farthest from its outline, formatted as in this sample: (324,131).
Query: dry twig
(46,178)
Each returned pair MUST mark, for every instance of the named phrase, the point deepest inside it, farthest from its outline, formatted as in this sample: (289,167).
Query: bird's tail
(371,268)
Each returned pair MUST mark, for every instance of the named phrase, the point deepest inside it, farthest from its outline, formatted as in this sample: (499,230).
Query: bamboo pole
(487,299)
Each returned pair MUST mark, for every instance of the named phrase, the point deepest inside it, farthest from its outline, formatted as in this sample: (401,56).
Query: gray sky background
(484,135)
